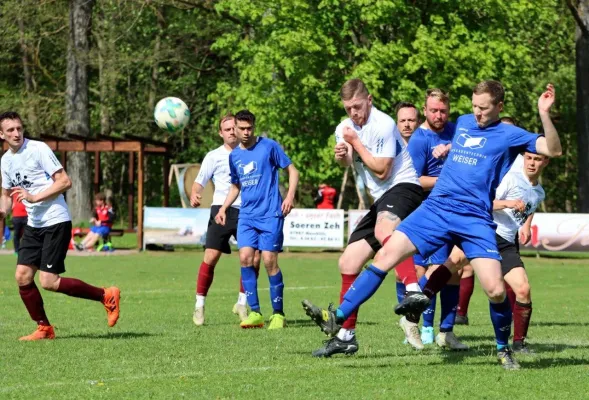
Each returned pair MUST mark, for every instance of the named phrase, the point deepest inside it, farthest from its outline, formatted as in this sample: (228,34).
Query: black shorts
(509,252)
(218,235)
(401,200)
(46,248)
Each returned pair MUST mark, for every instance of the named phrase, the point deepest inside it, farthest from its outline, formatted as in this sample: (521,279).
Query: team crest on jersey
(469,142)
(247,169)
(21,182)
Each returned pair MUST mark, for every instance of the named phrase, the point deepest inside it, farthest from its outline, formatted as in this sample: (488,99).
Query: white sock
(413,287)
(200,300)
(346,334)
(242,299)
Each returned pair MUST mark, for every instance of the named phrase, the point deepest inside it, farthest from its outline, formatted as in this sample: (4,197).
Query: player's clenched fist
(220,217)
(349,134)
(341,151)
(547,98)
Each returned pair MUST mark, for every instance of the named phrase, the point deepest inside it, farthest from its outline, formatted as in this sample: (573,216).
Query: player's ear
(500,106)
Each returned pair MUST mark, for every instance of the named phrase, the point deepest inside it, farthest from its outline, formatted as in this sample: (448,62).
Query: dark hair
(100,196)
(509,120)
(406,104)
(246,115)
(353,88)
(493,88)
(9,115)
(225,118)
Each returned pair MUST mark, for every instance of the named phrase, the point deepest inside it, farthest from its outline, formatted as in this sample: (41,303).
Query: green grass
(155,351)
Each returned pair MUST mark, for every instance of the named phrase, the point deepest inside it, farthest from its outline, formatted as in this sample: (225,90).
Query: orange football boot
(42,332)
(111,300)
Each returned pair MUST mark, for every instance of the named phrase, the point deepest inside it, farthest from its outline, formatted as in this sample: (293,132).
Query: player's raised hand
(341,151)
(287,205)
(441,150)
(21,194)
(350,135)
(195,200)
(220,217)
(547,98)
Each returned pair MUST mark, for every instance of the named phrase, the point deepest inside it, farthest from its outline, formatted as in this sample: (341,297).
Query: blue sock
(449,299)
(501,318)
(250,285)
(361,290)
(276,292)
(430,312)
(400,291)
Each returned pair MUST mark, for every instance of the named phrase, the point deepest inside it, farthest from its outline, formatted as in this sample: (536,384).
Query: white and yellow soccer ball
(171,114)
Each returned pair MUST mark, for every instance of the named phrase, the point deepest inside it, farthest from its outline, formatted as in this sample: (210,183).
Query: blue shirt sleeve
(233,171)
(278,156)
(418,150)
(522,140)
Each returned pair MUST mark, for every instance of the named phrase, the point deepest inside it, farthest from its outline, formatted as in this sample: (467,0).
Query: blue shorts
(100,230)
(440,223)
(264,234)
(438,258)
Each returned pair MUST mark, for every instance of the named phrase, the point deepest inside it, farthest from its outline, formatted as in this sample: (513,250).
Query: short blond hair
(225,118)
(437,93)
(353,88)
(493,88)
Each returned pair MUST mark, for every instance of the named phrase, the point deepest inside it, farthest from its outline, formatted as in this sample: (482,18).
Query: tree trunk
(31,114)
(582,53)
(156,60)
(76,107)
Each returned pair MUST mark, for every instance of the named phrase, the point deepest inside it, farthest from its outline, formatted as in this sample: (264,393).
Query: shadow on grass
(113,335)
(558,323)
(301,323)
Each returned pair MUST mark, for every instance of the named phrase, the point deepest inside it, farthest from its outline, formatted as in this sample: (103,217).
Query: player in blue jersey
(434,131)
(254,167)
(459,212)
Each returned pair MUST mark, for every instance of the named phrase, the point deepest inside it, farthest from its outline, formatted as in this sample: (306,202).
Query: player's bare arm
(231,197)
(5,203)
(517,205)
(549,144)
(380,166)
(343,154)
(525,232)
(428,182)
(196,194)
(441,150)
(61,183)
(293,181)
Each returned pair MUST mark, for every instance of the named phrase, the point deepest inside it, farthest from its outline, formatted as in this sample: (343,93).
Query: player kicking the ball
(254,167)
(370,140)
(215,167)
(32,173)
(459,212)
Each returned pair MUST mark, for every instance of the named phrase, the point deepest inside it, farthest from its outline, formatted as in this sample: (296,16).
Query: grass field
(155,351)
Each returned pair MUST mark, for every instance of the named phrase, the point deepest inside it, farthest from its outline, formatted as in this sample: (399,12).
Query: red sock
(438,279)
(406,271)
(466,289)
(510,296)
(347,281)
(31,296)
(206,273)
(77,288)
(522,313)
(241,289)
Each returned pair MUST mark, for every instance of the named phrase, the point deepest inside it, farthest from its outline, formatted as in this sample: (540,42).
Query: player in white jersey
(517,198)
(370,141)
(215,167)
(32,173)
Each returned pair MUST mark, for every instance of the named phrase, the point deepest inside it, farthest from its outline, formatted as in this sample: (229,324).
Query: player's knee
(348,265)
(257,259)
(496,292)
(523,292)
(23,277)
(49,281)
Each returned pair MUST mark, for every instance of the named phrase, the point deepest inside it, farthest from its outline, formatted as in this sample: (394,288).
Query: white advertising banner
(354,217)
(559,232)
(311,227)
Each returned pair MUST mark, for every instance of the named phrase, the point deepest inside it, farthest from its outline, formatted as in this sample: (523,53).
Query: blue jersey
(479,159)
(420,147)
(256,170)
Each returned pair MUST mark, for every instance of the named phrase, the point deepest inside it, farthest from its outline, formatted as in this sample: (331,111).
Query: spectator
(101,223)
(326,197)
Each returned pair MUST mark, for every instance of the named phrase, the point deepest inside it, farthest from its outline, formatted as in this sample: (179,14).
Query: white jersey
(31,168)
(215,167)
(515,185)
(382,139)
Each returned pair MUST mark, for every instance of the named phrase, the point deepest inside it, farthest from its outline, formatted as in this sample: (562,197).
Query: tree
(76,106)
(580,12)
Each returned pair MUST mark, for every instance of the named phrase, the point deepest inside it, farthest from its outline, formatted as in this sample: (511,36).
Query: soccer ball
(171,114)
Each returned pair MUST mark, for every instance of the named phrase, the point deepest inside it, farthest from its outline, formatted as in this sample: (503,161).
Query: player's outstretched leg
(31,297)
